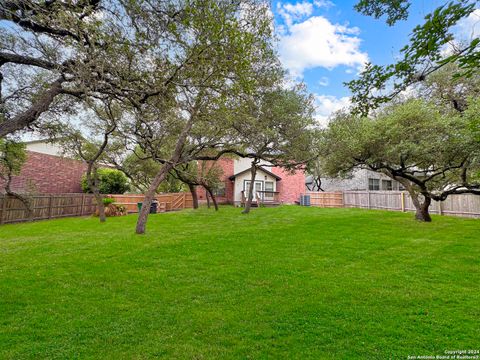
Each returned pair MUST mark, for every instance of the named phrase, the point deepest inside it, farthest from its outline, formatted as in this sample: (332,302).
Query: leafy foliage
(431,154)
(107,201)
(278,126)
(111,181)
(171,184)
(12,157)
(395,10)
(413,137)
(424,54)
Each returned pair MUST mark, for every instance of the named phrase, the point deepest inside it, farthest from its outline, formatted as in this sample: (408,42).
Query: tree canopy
(432,45)
(432,154)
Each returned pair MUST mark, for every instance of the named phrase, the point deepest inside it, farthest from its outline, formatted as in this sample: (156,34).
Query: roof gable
(259,168)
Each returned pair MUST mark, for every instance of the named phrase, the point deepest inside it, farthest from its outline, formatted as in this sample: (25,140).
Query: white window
(269,189)
(258,186)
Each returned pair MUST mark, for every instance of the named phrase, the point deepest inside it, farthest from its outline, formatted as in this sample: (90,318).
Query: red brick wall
(49,174)
(291,186)
(227,166)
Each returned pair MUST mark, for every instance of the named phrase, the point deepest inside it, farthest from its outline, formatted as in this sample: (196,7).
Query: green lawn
(280,283)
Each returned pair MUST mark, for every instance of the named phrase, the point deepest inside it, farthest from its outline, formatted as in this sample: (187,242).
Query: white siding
(241,164)
(358,181)
(239,181)
(43,147)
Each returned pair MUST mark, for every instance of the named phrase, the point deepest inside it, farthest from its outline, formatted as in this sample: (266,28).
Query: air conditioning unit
(304,200)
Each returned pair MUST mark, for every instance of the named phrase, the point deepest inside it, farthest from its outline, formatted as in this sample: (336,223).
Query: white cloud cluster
(298,9)
(326,105)
(294,12)
(307,42)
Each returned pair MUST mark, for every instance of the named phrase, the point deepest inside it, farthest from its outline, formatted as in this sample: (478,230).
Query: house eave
(278,178)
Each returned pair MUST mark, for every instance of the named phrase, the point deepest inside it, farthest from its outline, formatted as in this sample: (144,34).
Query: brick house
(273,185)
(46,171)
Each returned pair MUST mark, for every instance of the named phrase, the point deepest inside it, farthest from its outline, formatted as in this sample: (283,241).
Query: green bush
(107,201)
(111,182)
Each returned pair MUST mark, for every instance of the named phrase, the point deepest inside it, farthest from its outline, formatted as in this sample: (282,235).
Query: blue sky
(326,42)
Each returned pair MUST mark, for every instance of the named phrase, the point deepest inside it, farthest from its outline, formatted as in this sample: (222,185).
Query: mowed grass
(280,283)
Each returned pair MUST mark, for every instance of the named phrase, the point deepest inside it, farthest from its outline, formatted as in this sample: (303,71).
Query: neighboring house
(273,185)
(361,179)
(46,171)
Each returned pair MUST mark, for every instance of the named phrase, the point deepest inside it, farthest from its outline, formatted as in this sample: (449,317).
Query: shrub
(108,201)
(111,181)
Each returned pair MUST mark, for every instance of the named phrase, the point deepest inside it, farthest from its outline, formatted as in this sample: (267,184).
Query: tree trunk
(26,201)
(30,115)
(149,196)
(208,198)
(92,181)
(214,200)
(100,205)
(193,191)
(318,184)
(253,172)
(421,213)
(161,175)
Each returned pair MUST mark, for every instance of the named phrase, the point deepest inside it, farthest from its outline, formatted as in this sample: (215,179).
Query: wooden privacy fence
(46,207)
(62,205)
(326,199)
(467,205)
(166,202)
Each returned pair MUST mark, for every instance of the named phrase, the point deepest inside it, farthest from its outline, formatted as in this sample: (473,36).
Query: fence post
(50,201)
(342,194)
(83,204)
(402,199)
(4,210)
(440,207)
(368,199)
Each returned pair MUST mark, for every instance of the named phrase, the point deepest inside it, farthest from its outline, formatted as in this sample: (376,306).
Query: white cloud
(299,9)
(323,3)
(326,105)
(469,28)
(294,12)
(316,42)
(324,81)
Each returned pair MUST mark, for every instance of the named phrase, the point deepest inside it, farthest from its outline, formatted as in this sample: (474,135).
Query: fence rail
(166,202)
(52,206)
(326,199)
(466,205)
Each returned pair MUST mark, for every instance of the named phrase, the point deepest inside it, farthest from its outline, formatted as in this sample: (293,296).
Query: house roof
(258,168)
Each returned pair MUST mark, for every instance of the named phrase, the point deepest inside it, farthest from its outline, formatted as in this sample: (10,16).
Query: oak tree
(432,154)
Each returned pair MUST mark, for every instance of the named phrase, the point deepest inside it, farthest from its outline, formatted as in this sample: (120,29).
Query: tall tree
(206,174)
(277,126)
(90,146)
(52,52)
(219,48)
(422,56)
(433,155)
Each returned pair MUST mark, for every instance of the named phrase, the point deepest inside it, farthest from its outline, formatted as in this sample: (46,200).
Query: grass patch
(287,282)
